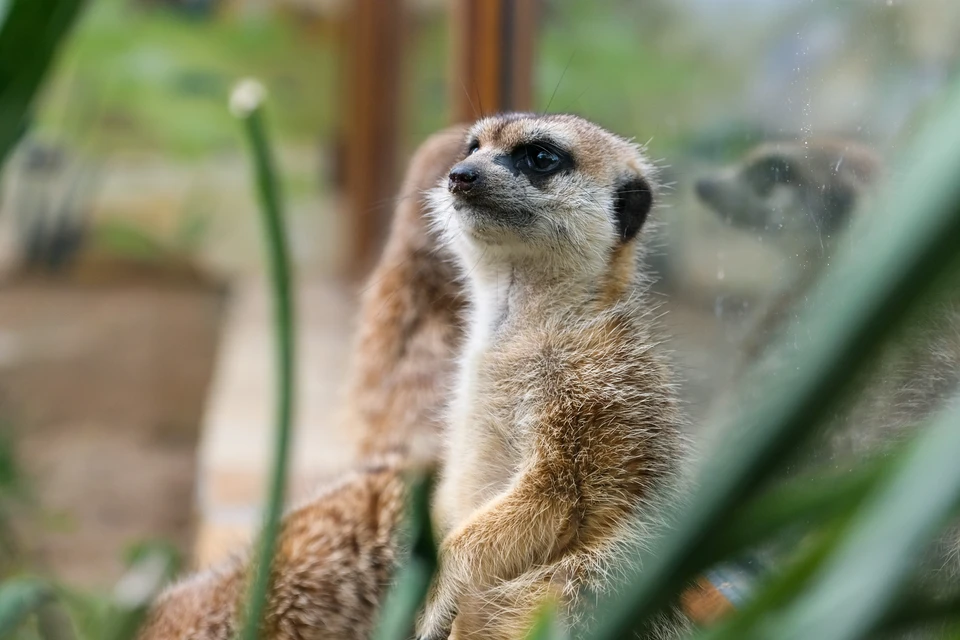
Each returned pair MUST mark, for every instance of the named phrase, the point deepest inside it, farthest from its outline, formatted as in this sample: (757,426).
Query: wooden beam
(371,88)
(494,42)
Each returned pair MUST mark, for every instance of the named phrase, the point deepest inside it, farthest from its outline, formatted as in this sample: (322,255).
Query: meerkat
(806,194)
(337,552)
(334,561)
(799,195)
(564,431)
(410,323)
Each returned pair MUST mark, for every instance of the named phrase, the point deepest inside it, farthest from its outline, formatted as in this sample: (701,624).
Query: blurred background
(134,329)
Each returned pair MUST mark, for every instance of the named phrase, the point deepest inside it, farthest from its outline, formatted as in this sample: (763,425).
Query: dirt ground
(103,387)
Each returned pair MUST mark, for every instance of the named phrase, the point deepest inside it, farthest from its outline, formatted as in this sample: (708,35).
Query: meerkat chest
(488,431)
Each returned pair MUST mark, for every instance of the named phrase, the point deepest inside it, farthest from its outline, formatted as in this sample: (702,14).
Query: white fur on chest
(483,453)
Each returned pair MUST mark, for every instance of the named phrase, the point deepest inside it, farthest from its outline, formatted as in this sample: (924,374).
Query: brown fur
(410,323)
(337,552)
(334,560)
(564,428)
(595,370)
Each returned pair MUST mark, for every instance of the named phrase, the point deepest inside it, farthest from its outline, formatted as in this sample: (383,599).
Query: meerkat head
(791,188)
(552,189)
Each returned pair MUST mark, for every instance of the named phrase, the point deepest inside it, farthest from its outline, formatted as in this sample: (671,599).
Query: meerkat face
(530,184)
(784,189)
(762,194)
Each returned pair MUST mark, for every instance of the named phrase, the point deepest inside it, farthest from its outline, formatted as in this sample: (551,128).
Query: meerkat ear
(632,202)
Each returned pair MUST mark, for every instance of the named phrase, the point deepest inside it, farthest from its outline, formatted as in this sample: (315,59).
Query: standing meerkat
(337,552)
(335,559)
(410,323)
(564,431)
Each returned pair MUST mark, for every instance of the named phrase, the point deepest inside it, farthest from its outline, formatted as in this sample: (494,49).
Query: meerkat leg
(523,527)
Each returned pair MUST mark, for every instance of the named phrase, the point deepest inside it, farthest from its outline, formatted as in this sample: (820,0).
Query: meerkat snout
(462,178)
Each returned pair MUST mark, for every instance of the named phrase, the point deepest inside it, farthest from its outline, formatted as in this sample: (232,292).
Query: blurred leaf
(778,589)
(399,614)
(862,300)
(804,502)
(53,623)
(859,583)
(136,590)
(29,38)
(20,598)
(547,625)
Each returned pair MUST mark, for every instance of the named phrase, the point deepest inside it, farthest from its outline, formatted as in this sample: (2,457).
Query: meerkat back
(337,551)
(410,322)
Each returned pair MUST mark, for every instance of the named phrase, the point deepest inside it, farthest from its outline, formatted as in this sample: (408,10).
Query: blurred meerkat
(821,184)
(337,552)
(806,194)
(564,430)
(335,557)
(409,324)
(801,195)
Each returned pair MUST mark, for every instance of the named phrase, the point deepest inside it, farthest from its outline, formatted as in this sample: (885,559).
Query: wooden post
(493,43)
(373,48)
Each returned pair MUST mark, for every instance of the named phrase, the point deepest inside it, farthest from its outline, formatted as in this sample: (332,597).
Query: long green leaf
(859,583)
(247,104)
(413,580)
(29,38)
(806,501)
(861,302)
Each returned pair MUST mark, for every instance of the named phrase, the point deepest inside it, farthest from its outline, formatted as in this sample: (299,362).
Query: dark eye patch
(473,147)
(764,174)
(538,160)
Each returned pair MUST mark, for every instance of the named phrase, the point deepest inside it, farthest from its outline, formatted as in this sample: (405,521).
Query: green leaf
(399,613)
(29,39)
(248,106)
(136,590)
(858,584)
(547,625)
(858,305)
(19,599)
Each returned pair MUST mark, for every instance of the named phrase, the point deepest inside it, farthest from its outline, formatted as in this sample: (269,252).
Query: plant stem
(280,280)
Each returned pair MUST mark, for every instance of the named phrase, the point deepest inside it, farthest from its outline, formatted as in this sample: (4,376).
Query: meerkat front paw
(437,620)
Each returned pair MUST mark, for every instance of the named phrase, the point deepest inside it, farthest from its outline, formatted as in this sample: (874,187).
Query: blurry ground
(104,386)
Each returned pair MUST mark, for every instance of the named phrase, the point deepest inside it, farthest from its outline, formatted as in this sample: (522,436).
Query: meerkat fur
(564,431)
(337,551)
(410,323)
(335,557)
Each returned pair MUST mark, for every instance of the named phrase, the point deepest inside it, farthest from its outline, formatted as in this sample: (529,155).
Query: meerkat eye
(539,160)
(473,148)
(543,160)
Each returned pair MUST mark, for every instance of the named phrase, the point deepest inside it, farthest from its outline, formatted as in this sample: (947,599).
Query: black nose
(462,178)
